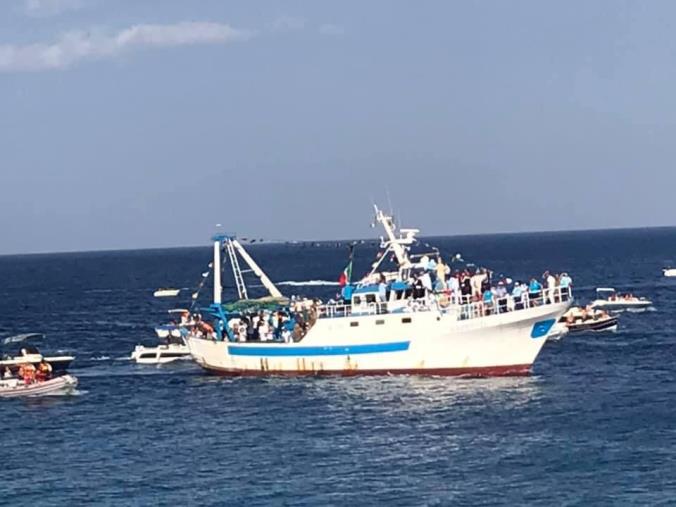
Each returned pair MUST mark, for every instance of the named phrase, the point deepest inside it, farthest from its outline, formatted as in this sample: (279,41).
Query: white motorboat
(161,354)
(669,272)
(31,355)
(16,388)
(608,299)
(166,293)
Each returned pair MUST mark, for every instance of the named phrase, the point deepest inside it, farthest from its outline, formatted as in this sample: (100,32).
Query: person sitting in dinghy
(44,371)
(27,373)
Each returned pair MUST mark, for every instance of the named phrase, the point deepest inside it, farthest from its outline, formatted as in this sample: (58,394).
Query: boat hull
(162,354)
(594,326)
(427,343)
(618,306)
(58,385)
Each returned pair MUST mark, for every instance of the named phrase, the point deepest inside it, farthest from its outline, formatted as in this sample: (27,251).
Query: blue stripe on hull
(327,350)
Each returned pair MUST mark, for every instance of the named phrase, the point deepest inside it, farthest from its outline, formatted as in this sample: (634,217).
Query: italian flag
(346,275)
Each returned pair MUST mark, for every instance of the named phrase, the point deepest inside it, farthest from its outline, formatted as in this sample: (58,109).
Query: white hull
(161,354)
(671,272)
(15,388)
(614,306)
(429,343)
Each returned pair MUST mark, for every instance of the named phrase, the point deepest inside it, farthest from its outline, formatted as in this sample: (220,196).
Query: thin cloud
(287,24)
(329,29)
(76,46)
(44,8)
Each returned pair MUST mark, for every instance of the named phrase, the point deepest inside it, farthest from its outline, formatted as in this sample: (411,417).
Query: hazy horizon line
(341,240)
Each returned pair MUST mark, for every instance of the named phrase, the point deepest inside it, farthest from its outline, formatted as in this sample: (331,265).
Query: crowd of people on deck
(434,282)
(279,325)
(431,284)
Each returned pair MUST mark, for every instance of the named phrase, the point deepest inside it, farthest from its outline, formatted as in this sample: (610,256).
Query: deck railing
(463,306)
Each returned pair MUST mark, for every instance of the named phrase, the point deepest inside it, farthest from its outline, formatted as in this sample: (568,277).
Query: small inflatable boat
(16,388)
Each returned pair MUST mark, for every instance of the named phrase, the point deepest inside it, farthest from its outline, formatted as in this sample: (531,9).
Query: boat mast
(232,245)
(397,245)
(218,288)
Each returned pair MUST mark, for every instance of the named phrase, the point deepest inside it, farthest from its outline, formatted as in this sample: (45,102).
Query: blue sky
(129,124)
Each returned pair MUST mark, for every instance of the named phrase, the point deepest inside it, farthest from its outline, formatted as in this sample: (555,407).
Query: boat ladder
(236,271)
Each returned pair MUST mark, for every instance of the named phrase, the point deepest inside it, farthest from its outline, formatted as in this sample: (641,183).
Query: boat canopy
(250,305)
(399,285)
(22,337)
(605,289)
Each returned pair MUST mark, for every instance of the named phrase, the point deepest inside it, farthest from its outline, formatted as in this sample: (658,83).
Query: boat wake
(58,394)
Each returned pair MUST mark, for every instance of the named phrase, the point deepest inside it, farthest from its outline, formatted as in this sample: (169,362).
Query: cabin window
(380,322)
(354,324)
(356,300)
(406,320)
(370,298)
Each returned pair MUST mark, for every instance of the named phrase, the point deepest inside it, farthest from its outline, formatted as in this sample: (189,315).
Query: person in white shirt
(426,280)
(551,285)
(476,280)
(454,286)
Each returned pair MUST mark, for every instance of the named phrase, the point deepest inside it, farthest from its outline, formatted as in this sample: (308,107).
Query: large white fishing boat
(383,327)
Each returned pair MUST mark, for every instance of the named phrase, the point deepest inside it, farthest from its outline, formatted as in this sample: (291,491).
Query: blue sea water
(594,424)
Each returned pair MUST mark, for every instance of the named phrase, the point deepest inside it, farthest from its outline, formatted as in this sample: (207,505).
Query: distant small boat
(578,319)
(166,293)
(670,272)
(16,388)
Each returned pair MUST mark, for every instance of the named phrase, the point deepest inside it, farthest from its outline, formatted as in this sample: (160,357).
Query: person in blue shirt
(534,291)
(488,301)
(565,282)
(346,293)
